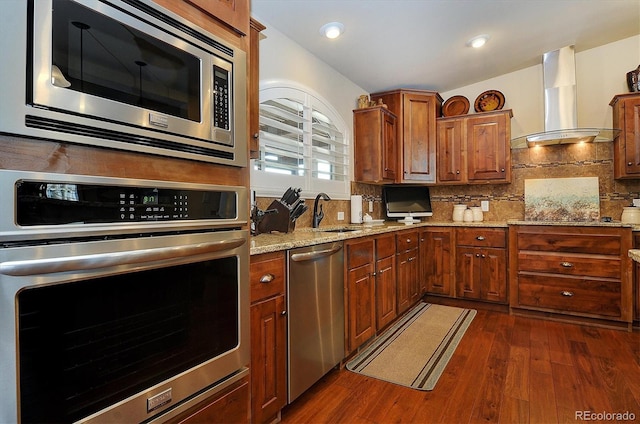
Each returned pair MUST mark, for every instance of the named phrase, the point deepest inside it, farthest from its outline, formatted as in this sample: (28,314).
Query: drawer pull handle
(480,238)
(283,313)
(566,293)
(566,264)
(267,278)
(408,240)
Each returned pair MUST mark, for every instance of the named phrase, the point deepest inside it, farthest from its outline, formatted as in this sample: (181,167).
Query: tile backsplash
(506,201)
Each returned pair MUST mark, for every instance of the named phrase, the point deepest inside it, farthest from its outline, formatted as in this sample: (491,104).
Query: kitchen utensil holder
(280,221)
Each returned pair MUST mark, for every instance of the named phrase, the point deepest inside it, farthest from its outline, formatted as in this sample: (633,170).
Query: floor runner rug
(415,350)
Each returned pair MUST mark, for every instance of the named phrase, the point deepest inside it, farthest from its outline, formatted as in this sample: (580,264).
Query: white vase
(458,213)
(477,213)
(467,215)
(631,215)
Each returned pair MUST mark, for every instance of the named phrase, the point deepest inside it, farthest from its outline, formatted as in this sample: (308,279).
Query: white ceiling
(389,44)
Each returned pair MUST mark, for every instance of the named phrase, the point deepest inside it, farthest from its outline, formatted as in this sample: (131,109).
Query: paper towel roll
(356,209)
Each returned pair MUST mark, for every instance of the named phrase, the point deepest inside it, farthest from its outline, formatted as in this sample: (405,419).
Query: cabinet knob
(566,293)
(566,264)
(267,278)
(256,135)
(483,256)
(375,273)
(502,170)
(480,238)
(408,240)
(283,313)
(411,259)
(629,163)
(458,171)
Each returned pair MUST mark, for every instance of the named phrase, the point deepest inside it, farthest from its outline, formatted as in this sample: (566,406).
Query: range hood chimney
(561,106)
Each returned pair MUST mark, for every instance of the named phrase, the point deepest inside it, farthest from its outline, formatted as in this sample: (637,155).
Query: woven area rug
(416,349)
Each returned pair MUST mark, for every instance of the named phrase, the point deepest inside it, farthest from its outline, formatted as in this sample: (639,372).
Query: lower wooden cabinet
(408,263)
(268,336)
(360,291)
(437,261)
(636,279)
(385,280)
(481,264)
(572,271)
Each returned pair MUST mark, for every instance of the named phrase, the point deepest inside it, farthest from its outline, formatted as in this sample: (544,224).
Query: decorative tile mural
(562,199)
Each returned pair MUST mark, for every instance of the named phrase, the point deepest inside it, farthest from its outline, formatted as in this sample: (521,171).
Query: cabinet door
(385,291)
(389,147)
(631,135)
(488,152)
(407,279)
(419,137)
(435,259)
(361,295)
(234,13)
(268,359)
(450,144)
(375,145)
(493,285)
(468,272)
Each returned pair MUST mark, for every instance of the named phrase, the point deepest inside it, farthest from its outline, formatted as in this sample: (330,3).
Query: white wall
(600,75)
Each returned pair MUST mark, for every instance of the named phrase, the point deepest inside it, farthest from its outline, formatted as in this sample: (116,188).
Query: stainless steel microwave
(122,74)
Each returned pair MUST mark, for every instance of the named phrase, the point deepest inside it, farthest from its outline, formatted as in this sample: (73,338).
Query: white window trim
(274,185)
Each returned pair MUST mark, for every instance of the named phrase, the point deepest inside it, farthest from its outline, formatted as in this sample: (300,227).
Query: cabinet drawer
(267,275)
(570,264)
(385,246)
(602,243)
(359,253)
(481,237)
(406,241)
(567,294)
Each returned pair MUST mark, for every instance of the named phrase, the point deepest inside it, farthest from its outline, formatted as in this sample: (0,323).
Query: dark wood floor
(506,369)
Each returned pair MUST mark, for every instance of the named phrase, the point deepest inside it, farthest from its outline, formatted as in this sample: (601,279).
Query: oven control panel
(59,203)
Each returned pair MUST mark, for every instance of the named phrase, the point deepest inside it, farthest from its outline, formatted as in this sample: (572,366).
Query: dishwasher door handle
(310,256)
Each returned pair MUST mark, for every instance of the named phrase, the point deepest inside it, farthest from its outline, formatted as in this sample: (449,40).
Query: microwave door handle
(104,260)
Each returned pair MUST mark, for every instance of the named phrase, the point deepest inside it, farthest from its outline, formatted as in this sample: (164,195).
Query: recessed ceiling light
(478,41)
(332,29)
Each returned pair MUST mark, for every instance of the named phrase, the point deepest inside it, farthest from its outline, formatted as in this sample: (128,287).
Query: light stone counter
(635,254)
(264,243)
(576,224)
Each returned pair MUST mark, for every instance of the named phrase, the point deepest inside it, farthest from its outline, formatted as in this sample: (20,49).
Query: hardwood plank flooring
(506,369)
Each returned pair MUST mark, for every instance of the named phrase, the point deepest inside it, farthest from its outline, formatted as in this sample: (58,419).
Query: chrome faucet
(317,216)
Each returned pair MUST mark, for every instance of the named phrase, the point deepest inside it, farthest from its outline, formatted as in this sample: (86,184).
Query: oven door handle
(104,260)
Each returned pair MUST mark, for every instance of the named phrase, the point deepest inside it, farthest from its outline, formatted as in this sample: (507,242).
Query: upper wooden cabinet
(376,149)
(626,153)
(416,111)
(475,148)
(234,13)
(253,85)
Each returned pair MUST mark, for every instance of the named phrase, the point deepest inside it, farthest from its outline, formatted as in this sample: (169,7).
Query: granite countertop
(635,254)
(265,243)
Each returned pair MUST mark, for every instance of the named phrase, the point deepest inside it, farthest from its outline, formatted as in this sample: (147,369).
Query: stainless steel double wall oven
(120,300)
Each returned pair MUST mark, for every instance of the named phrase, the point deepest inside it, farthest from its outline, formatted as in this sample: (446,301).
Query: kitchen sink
(339,230)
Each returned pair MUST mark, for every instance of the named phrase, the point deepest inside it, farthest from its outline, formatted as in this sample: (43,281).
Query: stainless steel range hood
(561,106)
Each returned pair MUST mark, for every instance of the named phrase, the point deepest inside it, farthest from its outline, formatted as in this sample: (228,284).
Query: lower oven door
(122,329)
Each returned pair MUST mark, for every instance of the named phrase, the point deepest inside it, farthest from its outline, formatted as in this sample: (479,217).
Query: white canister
(477,213)
(458,212)
(467,215)
(631,215)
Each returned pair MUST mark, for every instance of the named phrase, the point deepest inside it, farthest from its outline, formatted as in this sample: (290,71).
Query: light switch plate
(636,202)
(484,205)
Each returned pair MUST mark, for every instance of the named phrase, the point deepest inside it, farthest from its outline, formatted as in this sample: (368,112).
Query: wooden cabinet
(253,85)
(416,111)
(407,260)
(268,336)
(475,148)
(626,153)
(436,261)
(376,149)
(360,286)
(481,264)
(572,271)
(636,279)
(234,13)
(385,280)
(229,406)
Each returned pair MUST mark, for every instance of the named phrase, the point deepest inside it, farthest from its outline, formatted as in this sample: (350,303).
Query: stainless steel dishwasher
(316,314)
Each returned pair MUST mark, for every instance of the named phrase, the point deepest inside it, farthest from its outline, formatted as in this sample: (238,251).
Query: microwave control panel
(221,102)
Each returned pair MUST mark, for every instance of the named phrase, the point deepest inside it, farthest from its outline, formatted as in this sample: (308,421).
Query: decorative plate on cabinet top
(456,105)
(488,101)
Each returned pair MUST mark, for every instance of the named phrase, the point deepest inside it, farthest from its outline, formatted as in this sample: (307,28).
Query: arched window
(303,143)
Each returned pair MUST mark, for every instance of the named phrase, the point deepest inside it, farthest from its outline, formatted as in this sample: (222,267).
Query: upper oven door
(106,63)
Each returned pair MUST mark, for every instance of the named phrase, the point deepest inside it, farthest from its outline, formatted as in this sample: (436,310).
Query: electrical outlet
(636,202)
(370,205)
(484,205)
(340,216)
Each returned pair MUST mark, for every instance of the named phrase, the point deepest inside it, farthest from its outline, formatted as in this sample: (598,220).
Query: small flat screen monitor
(402,201)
